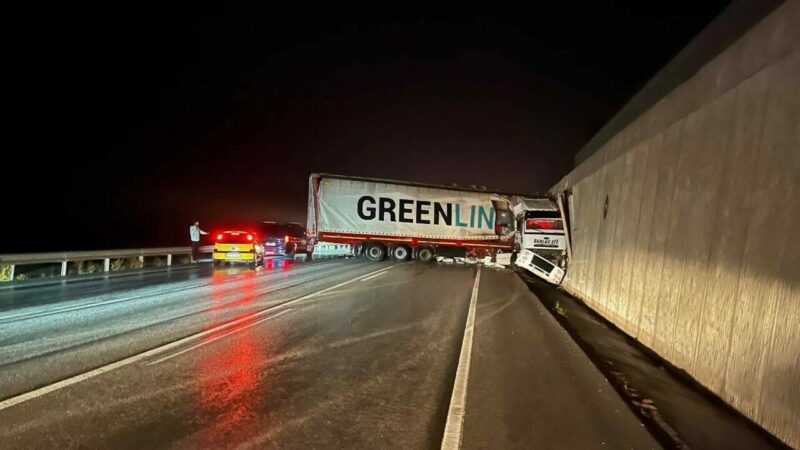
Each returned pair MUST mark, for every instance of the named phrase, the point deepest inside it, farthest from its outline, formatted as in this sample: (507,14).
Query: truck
(407,220)
(540,236)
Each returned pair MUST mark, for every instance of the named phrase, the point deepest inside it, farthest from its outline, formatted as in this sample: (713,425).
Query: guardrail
(64,258)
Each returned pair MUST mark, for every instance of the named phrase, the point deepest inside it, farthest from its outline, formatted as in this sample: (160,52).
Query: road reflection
(229,375)
(269,264)
(227,399)
(242,292)
(232,379)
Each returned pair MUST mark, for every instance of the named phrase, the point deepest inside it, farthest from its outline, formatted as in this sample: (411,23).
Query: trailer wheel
(375,252)
(400,253)
(425,254)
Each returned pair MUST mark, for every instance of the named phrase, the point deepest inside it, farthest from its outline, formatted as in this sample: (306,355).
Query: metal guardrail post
(169,259)
(12,272)
(64,268)
(106,264)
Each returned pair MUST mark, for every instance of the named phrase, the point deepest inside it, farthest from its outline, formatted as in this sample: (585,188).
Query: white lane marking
(373,276)
(458,401)
(314,294)
(48,312)
(158,350)
(224,334)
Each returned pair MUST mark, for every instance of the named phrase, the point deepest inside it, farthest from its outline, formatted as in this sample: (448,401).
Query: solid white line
(458,400)
(206,342)
(158,350)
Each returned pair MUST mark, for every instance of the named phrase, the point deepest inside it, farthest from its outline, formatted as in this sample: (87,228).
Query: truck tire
(375,252)
(358,250)
(400,253)
(425,254)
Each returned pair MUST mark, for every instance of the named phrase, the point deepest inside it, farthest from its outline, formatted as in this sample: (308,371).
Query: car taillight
(249,237)
(219,237)
(286,238)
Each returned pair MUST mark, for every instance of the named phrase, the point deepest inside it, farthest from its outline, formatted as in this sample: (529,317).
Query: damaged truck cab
(541,241)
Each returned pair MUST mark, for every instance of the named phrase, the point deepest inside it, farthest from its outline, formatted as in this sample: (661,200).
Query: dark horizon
(128,125)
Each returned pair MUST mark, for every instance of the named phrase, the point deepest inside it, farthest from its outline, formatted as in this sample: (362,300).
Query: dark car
(287,238)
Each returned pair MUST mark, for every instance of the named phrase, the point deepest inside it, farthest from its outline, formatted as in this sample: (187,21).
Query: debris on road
(503,258)
(485,261)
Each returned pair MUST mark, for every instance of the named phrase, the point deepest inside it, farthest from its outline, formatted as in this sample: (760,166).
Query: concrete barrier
(685,224)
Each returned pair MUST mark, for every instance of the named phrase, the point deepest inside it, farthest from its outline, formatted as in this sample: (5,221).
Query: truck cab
(541,239)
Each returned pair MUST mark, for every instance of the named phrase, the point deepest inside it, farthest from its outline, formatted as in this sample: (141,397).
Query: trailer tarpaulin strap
(358,206)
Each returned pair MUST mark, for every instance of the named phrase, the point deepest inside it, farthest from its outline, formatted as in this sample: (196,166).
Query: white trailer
(406,220)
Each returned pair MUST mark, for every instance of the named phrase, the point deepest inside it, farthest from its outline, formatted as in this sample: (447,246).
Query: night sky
(126,124)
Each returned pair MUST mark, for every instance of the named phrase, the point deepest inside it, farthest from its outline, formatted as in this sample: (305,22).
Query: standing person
(194,235)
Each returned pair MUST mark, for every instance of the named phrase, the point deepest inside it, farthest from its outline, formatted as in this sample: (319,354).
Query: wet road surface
(671,404)
(330,354)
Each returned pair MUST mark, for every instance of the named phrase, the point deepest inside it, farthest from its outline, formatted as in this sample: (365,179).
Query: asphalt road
(329,354)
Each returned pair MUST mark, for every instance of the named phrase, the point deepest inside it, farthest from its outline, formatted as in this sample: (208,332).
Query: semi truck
(407,220)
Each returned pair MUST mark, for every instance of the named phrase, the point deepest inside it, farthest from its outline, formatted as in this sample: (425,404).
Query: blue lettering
(458,216)
(484,216)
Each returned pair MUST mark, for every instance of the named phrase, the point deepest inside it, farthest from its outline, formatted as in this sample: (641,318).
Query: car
(238,247)
(284,238)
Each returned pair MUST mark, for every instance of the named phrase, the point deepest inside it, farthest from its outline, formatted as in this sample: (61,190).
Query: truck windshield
(543,220)
(544,224)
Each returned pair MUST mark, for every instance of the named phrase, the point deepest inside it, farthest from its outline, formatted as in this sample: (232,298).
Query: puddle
(676,409)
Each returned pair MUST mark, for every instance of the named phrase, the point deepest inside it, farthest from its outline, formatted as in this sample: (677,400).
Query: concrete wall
(698,256)
(723,31)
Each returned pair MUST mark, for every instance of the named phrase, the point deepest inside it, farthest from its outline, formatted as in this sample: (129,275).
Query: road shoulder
(531,386)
